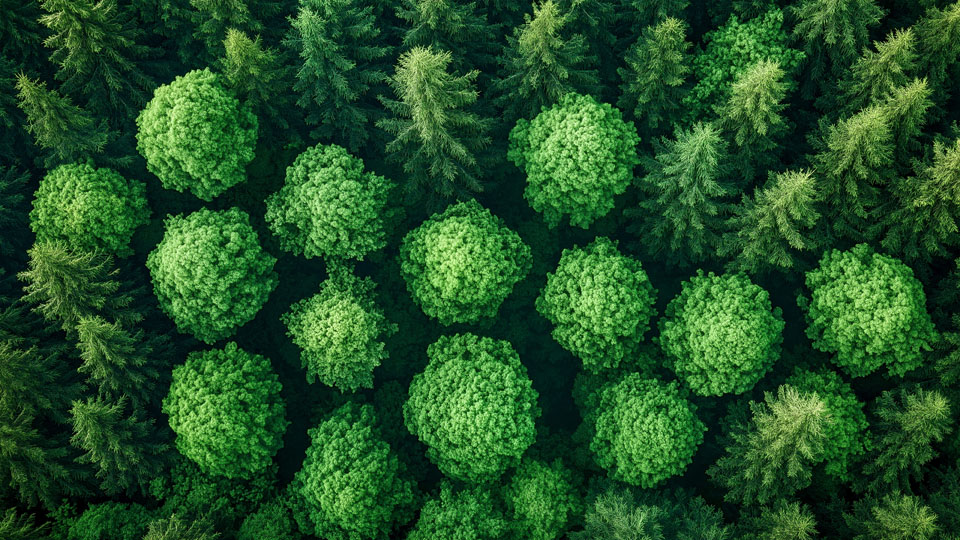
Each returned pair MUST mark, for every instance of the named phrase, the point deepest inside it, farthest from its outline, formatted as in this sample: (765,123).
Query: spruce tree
(542,62)
(35,379)
(58,126)
(785,521)
(637,14)
(256,74)
(753,117)
(122,447)
(95,45)
(906,110)
(652,83)
(13,213)
(767,230)
(20,34)
(437,135)
(878,72)
(115,360)
(834,32)
(894,516)
(344,65)
(15,526)
(212,18)
(681,215)
(455,26)
(938,45)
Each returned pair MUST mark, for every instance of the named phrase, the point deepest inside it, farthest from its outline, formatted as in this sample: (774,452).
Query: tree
(453,26)
(89,208)
(652,83)
(645,13)
(13,213)
(541,499)
(938,44)
(15,526)
(895,515)
(856,158)
(460,265)
(122,446)
(272,520)
(212,19)
(772,455)
(681,213)
(330,206)
(175,527)
(340,332)
(767,230)
(196,136)
(644,431)
(623,515)
(437,133)
(225,407)
(466,512)
(116,360)
(910,422)
(600,303)
(65,285)
(753,116)
(95,45)
(868,311)
(542,62)
(210,274)
(563,179)
(351,484)
(834,32)
(906,109)
(473,406)
(112,521)
(875,74)
(256,74)
(785,521)
(721,334)
(58,126)
(344,64)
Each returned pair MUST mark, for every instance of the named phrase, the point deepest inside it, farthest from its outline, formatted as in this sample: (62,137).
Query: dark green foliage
(340,332)
(196,136)
(210,274)
(455,26)
(602,334)
(59,127)
(330,206)
(256,74)
(461,264)
(721,333)
(542,500)
(437,134)
(896,516)
(13,213)
(473,406)
(225,407)
(644,431)
(652,84)
(460,514)
(177,528)
(878,72)
(938,40)
(771,456)
(272,520)
(343,64)
(542,62)
(117,361)
(111,521)
(680,217)
(35,378)
(906,109)
(212,19)
(834,32)
(672,515)
(868,310)
(89,208)
(562,178)
(14,526)
(352,485)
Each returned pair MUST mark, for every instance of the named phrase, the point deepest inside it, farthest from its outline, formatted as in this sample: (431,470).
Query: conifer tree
(212,18)
(772,456)
(639,14)
(95,45)
(834,32)
(896,515)
(13,212)
(122,447)
(938,45)
(595,20)
(785,521)
(14,526)
(58,126)
(458,27)
(542,62)
(20,33)
(116,360)
(681,215)
(878,72)
(344,64)
(652,83)
(256,74)
(753,116)
(35,379)
(906,110)
(768,229)
(437,136)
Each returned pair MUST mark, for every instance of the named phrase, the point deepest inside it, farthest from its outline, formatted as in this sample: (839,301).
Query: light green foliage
(351,486)
(910,422)
(330,206)
(457,26)
(578,155)
(771,456)
(14,526)
(122,447)
(732,49)
(767,230)
(225,407)
(906,109)
(467,513)
(256,74)
(473,406)
(117,361)
(878,72)
(785,521)
(111,521)
(461,264)
(600,303)
(753,116)
(938,42)
(196,136)
(845,438)
(645,431)
(175,527)
(655,515)
(57,125)
(89,208)
(721,333)
(437,134)
(834,32)
(869,311)
(542,62)
(213,18)
(542,500)
(895,516)
(210,274)
(652,83)
(271,521)
(343,63)
(340,332)
(680,215)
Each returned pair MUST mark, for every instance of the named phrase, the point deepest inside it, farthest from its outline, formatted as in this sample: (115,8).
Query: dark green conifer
(59,127)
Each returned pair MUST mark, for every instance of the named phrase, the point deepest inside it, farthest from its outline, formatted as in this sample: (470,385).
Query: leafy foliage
(112,521)
(542,499)
(457,514)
